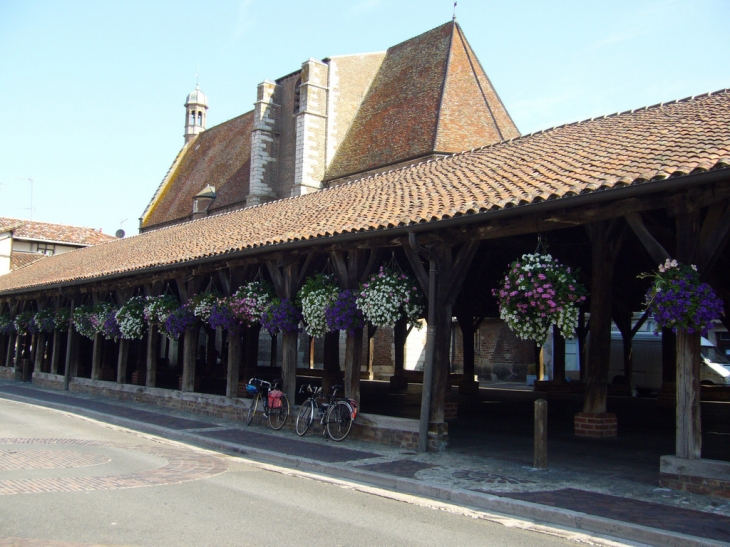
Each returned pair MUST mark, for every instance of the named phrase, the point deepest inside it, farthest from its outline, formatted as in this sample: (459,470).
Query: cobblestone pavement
(18,454)
(612,492)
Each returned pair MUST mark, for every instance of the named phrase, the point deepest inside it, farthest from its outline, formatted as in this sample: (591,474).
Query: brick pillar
(595,424)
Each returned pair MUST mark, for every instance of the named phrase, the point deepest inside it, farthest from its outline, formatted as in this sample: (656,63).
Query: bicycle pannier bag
(275,398)
(353,404)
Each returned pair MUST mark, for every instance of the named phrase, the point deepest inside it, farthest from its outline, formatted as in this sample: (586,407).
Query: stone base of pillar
(706,477)
(398,383)
(438,436)
(468,387)
(594,424)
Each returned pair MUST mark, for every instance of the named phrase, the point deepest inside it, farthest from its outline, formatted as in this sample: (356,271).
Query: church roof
(57,233)
(220,157)
(637,148)
(430,95)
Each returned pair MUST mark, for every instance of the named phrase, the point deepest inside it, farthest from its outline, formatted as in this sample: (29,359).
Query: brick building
(333,121)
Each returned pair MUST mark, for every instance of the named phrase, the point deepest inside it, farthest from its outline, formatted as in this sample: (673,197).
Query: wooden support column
(351,270)
(56,351)
(70,350)
(231,279)
(190,350)
(251,351)
(40,350)
(122,360)
(96,357)
(451,271)
(287,280)
(234,363)
(468,326)
(594,421)
(10,352)
(398,381)
(4,342)
(153,341)
(558,357)
(689,428)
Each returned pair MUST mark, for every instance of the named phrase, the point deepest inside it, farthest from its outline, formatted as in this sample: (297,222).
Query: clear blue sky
(93,91)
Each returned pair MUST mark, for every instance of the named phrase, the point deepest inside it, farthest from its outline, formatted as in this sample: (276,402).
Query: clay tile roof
(21,259)
(221,157)
(591,156)
(61,233)
(429,95)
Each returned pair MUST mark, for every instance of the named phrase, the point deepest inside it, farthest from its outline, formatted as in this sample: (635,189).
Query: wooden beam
(655,249)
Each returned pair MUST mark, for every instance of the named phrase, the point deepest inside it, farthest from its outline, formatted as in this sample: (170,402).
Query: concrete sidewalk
(609,501)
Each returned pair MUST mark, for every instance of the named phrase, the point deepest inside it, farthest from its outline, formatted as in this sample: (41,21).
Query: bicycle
(274,402)
(335,414)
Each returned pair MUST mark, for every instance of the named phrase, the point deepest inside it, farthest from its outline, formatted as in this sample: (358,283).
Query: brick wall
(499,353)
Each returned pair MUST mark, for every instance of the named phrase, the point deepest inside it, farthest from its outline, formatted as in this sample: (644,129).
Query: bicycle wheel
(278,416)
(339,421)
(305,417)
(252,408)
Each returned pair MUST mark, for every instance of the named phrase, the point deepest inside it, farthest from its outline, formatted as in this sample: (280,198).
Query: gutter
(594,197)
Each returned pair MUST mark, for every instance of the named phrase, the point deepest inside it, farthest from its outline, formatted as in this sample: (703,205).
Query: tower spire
(196,112)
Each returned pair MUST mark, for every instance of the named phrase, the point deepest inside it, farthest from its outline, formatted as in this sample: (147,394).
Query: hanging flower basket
(178,321)
(343,313)
(387,296)
(60,319)
(158,308)
(130,319)
(315,297)
(202,305)
(25,322)
(82,321)
(281,316)
(7,326)
(109,325)
(250,302)
(45,320)
(538,292)
(678,300)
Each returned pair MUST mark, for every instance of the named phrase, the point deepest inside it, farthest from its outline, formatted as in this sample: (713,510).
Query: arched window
(192,117)
(200,118)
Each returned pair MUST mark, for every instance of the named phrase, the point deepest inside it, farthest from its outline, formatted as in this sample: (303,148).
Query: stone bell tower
(196,109)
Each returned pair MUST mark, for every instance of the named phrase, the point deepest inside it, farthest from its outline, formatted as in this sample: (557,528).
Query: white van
(647,353)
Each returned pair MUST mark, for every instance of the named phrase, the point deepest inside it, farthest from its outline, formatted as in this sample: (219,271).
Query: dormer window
(47,249)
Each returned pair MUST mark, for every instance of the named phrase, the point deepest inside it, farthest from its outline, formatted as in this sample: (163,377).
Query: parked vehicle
(335,414)
(647,362)
(272,399)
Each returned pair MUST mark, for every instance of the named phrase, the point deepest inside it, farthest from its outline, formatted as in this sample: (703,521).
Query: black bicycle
(274,402)
(335,414)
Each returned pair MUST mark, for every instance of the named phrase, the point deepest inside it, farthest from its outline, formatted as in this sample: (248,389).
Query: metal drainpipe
(430,343)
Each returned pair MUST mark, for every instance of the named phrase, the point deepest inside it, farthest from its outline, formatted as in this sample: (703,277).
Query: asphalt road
(67,481)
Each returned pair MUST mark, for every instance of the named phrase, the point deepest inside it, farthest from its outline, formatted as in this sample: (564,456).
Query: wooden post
(234,364)
(122,360)
(558,357)
(152,348)
(69,349)
(56,352)
(540,461)
(13,341)
(689,427)
(353,361)
(40,351)
(190,350)
(398,381)
(96,357)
